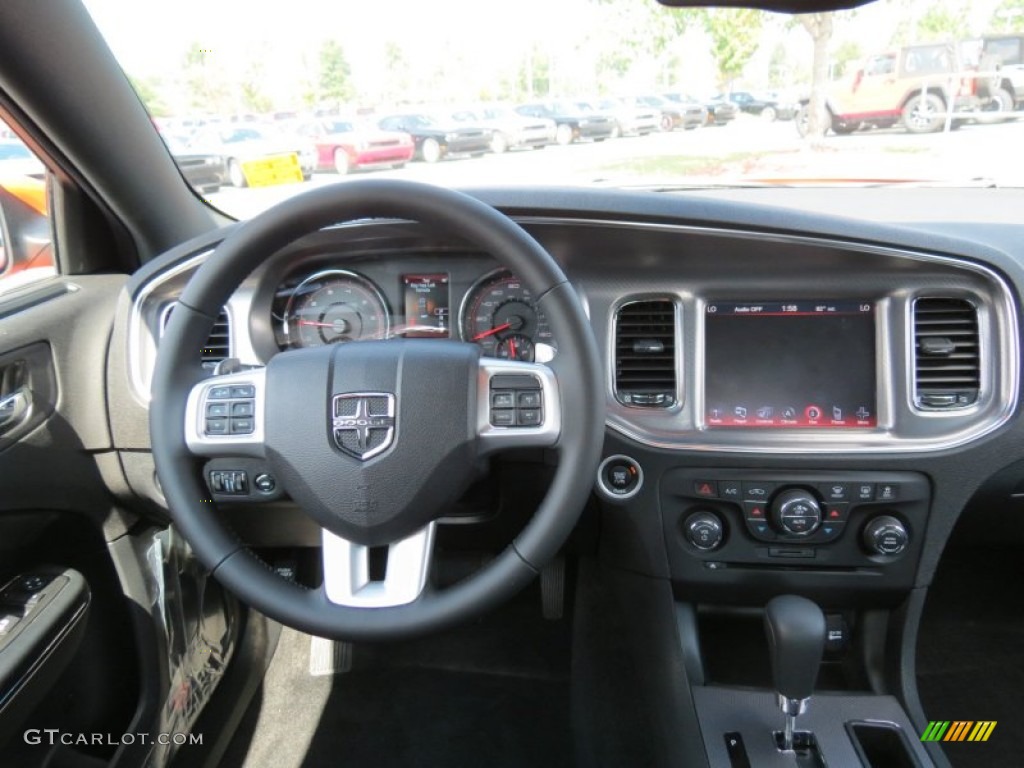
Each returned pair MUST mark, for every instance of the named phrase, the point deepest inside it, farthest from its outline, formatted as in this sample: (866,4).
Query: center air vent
(218,345)
(947,366)
(645,354)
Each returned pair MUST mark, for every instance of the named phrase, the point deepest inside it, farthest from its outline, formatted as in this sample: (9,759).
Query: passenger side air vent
(645,354)
(947,366)
(218,345)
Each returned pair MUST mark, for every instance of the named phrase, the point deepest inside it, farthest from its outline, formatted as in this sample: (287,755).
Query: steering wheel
(375,439)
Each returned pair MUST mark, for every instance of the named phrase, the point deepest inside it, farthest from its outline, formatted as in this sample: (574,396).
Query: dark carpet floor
(494,693)
(970,657)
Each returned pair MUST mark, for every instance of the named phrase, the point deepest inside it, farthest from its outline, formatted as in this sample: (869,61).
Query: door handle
(14,408)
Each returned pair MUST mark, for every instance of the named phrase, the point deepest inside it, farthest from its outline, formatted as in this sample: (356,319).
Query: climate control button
(796,513)
(886,535)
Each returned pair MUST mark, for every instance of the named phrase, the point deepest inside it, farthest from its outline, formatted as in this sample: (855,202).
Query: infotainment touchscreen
(790,364)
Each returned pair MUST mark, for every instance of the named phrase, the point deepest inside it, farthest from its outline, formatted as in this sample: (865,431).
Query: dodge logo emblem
(363,423)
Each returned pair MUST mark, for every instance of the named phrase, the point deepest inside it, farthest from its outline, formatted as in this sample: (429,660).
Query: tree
(1008,17)
(940,23)
(844,55)
(149,93)
(335,74)
(819,26)
(204,81)
(253,97)
(735,36)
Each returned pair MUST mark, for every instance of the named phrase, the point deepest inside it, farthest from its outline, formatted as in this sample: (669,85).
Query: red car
(347,145)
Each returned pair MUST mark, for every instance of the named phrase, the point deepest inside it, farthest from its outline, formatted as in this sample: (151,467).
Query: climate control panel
(842,523)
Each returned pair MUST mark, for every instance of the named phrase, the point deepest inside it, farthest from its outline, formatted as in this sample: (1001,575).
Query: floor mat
(494,693)
(970,656)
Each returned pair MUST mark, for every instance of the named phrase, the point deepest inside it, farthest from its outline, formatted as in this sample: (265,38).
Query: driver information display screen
(790,364)
(426,305)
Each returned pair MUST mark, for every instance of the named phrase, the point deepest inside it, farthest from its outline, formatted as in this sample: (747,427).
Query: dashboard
(715,339)
(815,401)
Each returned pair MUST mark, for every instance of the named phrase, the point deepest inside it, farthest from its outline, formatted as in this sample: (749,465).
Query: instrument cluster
(335,306)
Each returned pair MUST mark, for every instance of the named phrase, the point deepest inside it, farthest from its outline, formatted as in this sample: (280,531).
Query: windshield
(897,92)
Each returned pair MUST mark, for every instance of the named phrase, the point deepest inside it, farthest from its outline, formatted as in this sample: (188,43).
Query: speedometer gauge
(499,314)
(335,306)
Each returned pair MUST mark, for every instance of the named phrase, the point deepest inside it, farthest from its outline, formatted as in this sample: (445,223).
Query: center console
(821,531)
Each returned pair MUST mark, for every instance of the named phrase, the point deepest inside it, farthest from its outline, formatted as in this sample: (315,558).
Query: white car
(511,130)
(240,144)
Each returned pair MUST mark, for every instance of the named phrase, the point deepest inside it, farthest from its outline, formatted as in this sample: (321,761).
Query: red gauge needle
(316,324)
(511,349)
(499,329)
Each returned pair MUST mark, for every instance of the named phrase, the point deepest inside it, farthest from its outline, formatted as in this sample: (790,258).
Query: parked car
(509,129)
(435,139)
(572,121)
(632,117)
(717,111)
(239,144)
(204,171)
(675,114)
(913,86)
(345,145)
(1006,54)
(763,105)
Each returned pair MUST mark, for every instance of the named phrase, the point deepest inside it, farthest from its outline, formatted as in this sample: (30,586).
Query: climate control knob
(886,535)
(704,530)
(796,513)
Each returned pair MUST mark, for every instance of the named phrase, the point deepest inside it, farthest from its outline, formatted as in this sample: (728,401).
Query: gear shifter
(795,627)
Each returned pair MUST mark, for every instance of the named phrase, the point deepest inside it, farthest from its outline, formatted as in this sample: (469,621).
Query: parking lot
(749,150)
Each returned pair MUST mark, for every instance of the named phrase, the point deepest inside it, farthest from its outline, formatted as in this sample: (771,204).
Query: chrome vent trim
(947,353)
(646,349)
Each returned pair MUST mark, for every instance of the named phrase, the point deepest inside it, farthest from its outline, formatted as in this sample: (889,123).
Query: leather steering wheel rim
(577,368)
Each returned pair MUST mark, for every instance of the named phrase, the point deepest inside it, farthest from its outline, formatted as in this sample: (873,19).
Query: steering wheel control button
(504,418)
(217,410)
(516,401)
(886,535)
(704,531)
(529,399)
(242,426)
(244,409)
(619,477)
(529,417)
(265,483)
(216,426)
(246,391)
(219,393)
(503,399)
(796,513)
(232,482)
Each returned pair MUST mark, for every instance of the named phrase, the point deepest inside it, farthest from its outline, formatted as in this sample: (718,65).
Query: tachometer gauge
(335,306)
(498,313)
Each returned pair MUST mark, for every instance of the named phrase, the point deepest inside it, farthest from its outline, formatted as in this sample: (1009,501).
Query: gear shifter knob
(795,627)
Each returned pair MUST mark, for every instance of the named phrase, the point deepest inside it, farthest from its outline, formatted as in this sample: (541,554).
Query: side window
(881,65)
(26,238)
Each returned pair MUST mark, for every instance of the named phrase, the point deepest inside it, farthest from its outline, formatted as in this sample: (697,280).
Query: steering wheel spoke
(224,415)
(358,576)
(519,405)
